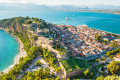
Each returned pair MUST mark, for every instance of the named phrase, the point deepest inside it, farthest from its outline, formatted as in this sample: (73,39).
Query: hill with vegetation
(15,26)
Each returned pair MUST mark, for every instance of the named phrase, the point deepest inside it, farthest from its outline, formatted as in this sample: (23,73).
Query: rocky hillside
(13,24)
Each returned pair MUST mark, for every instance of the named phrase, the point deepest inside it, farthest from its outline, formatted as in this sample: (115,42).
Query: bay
(9,48)
(103,21)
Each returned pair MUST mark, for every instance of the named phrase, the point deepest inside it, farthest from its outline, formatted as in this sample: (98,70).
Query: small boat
(67,18)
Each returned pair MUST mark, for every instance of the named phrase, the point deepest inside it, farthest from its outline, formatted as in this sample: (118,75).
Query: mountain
(22,7)
(105,7)
(35,7)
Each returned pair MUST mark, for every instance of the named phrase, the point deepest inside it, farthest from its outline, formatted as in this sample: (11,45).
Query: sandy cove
(21,53)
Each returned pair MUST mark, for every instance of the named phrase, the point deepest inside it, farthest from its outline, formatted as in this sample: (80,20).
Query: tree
(58,78)
(58,69)
(29,22)
(98,37)
(35,37)
(112,77)
(104,58)
(91,75)
(100,78)
(38,26)
(114,44)
(114,67)
(68,78)
(40,72)
(86,72)
(38,63)
(47,69)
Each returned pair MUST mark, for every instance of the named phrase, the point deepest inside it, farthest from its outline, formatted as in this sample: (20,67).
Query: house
(117,40)
(117,57)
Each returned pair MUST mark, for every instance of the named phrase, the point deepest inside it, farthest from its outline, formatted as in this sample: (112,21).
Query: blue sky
(68,2)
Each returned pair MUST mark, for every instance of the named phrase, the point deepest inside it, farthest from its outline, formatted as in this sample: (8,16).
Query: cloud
(68,2)
(15,1)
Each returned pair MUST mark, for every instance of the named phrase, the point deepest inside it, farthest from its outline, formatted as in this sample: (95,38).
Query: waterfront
(80,41)
(103,21)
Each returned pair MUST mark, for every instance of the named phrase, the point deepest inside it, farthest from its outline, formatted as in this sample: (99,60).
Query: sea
(102,21)
(9,48)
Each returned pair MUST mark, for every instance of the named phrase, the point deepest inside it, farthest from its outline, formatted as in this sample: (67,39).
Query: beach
(21,53)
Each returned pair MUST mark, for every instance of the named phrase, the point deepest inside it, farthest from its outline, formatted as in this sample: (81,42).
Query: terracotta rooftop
(118,55)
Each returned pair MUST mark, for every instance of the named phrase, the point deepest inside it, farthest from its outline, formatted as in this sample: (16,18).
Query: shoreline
(21,53)
(104,30)
(99,12)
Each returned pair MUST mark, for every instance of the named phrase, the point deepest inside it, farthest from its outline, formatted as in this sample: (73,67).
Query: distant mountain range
(35,7)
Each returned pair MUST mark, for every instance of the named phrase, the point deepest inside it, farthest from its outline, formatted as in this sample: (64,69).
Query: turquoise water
(103,21)
(8,49)
(9,46)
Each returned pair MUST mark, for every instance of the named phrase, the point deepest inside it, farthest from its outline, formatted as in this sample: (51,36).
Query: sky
(67,2)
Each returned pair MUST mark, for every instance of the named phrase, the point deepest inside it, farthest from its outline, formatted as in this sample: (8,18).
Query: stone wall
(73,73)
(70,74)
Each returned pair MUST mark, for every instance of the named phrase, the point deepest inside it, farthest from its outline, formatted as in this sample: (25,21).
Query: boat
(67,18)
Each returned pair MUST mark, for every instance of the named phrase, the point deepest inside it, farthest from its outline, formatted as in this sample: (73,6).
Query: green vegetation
(112,53)
(38,63)
(15,27)
(115,35)
(50,58)
(41,26)
(114,67)
(33,20)
(62,53)
(96,68)
(87,74)
(40,75)
(28,22)
(35,37)
(101,59)
(99,39)
(114,44)
(13,21)
(59,48)
(74,64)
(23,62)
(112,77)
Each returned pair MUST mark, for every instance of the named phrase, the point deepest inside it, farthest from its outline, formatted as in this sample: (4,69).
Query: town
(54,51)
(81,42)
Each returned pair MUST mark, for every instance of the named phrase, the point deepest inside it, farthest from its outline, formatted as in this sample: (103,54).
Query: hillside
(13,24)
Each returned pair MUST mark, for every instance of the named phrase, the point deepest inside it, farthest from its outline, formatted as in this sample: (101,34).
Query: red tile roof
(118,55)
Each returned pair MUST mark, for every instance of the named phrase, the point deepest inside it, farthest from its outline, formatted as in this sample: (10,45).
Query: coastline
(117,13)
(103,30)
(21,53)
(100,12)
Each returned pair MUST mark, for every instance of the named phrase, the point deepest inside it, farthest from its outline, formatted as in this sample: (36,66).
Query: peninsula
(57,52)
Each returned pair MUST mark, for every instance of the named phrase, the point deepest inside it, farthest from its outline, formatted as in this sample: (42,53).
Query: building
(117,57)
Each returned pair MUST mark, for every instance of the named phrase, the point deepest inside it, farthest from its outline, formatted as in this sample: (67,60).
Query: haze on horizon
(66,2)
